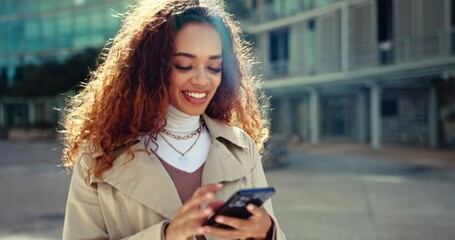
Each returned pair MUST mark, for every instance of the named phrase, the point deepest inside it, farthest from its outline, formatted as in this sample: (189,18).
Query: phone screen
(236,205)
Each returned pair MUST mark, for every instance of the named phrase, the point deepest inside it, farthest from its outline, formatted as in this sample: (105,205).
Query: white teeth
(196,95)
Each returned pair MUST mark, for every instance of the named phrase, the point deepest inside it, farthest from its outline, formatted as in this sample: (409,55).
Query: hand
(255,227)
(188,220)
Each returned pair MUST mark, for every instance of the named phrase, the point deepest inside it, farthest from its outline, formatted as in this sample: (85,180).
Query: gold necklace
(184,137)
(182,158)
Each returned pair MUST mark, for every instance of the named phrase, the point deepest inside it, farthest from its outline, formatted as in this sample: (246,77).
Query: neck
(177,121)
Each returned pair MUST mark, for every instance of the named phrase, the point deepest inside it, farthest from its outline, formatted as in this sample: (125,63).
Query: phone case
(236,205)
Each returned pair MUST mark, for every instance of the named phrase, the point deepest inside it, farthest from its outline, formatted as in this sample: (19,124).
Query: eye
(182,68)
(214,70)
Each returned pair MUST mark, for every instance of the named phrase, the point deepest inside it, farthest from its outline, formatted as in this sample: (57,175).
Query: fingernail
(220,219)
(200,230)
(219,185)
(207,230)
(250,207)
(209,195)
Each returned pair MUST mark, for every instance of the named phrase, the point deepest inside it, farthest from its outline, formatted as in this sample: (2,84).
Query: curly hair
(127,95)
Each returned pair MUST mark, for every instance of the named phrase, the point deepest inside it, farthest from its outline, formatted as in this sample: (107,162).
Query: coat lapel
(145,180)
(222,166)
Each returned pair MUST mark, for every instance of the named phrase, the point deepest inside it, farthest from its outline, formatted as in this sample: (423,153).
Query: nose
(201,77)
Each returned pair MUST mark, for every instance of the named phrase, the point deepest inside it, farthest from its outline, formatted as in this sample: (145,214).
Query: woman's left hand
(255,227)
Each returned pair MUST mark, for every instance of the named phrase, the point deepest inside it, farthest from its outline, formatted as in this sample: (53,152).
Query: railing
(283,8)
(432,45)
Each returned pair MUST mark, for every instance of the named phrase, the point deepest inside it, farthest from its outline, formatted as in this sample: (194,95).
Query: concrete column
(432,117)
(361,117)
(345,37)
(296,44)
(314,116)
(375,111)
(285,117)
(262,51)
(301,117)
(31,112)
(2,115)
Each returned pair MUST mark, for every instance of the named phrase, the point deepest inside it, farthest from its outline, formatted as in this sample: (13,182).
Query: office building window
(279,51)
(82,30)
(33,34)
(385,31)
(65,30)
(3,38)
(321,3)
(308,4)
(385,21)
(452,13)
(389,108)
(452,24)
(17,38)
(49,33)
(279,45)
(254,4)
(292,6)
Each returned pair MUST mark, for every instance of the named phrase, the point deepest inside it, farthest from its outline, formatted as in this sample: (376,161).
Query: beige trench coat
(135,198)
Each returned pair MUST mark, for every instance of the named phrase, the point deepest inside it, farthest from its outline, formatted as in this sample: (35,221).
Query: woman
(167,124)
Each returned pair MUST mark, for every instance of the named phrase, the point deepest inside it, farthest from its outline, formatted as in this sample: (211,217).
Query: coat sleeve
(259,180)
(84,218)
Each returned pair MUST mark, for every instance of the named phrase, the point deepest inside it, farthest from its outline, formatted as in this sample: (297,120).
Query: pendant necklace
(183,159)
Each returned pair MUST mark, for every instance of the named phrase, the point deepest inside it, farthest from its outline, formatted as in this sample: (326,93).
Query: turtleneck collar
(177,121)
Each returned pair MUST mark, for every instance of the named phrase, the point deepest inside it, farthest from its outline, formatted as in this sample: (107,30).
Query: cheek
(217,82)
(175,81)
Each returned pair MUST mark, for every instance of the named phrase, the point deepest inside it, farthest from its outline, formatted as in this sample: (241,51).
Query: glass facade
(34,30)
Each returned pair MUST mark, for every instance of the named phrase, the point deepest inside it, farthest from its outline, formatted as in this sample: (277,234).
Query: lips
(195,97)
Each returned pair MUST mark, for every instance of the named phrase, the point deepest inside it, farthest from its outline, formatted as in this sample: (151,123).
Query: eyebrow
(183,54)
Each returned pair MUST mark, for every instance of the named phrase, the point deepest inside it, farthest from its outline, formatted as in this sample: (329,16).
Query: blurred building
(35,31)
(377,71)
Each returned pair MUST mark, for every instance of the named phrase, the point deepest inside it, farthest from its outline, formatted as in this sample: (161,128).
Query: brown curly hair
(127,95)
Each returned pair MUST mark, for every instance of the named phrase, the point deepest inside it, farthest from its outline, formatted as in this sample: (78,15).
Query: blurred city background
(363,111)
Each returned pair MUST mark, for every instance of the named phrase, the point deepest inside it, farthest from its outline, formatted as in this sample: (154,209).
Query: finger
(208,188)
(257,212)
(215,205)
(199,214)
(196,201)
(203,194)
(234,222)
(190,222)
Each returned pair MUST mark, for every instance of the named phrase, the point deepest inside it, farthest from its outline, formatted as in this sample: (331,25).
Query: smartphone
(236,205)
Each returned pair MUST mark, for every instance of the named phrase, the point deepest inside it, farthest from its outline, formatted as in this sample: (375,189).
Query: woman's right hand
(188,220)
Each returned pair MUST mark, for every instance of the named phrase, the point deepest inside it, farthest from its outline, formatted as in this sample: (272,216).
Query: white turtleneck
(180,123)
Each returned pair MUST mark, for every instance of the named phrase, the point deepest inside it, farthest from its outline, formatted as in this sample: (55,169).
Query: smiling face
(196,68)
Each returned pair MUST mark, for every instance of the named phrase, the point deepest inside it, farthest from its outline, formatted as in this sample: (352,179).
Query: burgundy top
(185,182)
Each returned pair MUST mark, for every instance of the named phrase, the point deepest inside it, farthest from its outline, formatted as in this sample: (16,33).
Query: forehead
(198,39)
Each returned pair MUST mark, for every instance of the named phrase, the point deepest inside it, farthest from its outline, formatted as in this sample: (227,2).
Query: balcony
(420,48)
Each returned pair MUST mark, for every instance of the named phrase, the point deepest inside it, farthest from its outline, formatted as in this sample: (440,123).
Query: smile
(196,95)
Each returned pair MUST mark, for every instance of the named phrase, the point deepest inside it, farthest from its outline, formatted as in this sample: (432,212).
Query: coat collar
(145,179)
(221,130)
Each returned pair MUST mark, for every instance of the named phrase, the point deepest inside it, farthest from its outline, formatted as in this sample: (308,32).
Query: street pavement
(322,194)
